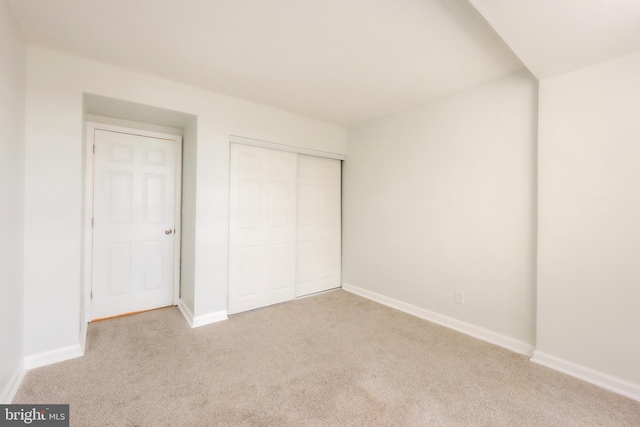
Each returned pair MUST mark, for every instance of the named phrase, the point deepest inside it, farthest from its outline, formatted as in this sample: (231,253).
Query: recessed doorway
(135,221)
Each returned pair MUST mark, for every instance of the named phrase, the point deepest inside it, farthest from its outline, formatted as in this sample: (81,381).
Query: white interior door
(134,223)
(262,227)
(318,260)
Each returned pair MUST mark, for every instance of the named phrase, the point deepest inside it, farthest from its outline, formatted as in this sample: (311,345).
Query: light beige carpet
(330,360)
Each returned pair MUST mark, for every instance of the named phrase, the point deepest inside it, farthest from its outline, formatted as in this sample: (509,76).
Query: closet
(285,226)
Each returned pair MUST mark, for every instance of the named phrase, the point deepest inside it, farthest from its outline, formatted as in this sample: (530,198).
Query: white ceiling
(552,37)
(343,61)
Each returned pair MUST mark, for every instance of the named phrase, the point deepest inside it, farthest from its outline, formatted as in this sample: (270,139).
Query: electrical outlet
(459,297)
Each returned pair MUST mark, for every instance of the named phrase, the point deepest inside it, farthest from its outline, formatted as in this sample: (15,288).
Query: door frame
(91,127)
(235,139)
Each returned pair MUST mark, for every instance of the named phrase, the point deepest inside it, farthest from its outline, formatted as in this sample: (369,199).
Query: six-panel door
(262,227)
(318,258)
(133,234)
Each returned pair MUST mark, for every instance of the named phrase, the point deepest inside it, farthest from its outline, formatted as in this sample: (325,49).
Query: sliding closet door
(262,232)
(318,260)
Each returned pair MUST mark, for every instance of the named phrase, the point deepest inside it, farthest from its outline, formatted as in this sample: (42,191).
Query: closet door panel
(318,260)
(262,227)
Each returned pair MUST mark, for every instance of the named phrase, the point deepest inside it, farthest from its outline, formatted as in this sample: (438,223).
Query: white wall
(55,86)
(13,51)
(589,219)
(189,186)
(440,198)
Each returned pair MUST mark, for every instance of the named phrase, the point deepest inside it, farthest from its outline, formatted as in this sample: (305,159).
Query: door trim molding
(90,128)
(234,139)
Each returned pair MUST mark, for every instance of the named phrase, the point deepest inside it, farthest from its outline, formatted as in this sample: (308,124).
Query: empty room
(362,213)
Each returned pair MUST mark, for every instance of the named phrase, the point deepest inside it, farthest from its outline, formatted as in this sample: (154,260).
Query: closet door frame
(283,147)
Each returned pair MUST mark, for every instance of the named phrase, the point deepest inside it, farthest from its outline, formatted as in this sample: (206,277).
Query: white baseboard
(207,319)
(449,322)
(589,375)
(196,321)
(13,385)
(83,336)
(188,315)
(53,356)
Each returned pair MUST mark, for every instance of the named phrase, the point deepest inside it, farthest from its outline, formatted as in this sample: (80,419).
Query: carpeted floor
(330,360)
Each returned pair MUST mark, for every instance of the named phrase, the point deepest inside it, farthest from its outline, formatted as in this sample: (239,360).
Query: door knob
(168,231)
